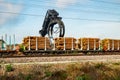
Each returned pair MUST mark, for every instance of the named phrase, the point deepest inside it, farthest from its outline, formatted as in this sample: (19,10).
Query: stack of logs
(88,43)
(67,43)
(110,44)
(36,43)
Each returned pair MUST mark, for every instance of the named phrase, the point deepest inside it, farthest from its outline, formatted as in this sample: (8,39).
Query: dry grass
(64,71)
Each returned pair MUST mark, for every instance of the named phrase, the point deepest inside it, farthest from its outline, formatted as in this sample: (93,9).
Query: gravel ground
(61,59)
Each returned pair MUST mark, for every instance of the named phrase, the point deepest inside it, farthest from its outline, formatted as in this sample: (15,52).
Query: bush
(22,48)
(9,68)
(117,63)
(22,76)
(59,75)
(48,73)
(99,65)
(83,77)
(28,77)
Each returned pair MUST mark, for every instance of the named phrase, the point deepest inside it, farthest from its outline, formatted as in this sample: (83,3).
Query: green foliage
(83,77)
(99,65)
(9,68)
(28,77)
(48,73)
(117,63)
(59,75)
(22,48)
(22,76)
(101,47)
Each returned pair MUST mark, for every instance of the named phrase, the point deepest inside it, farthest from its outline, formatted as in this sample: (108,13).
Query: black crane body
(51,19)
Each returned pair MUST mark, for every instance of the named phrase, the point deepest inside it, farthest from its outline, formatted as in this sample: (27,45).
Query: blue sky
(73,12)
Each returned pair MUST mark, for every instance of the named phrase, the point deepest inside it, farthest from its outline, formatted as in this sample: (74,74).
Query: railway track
(54,53)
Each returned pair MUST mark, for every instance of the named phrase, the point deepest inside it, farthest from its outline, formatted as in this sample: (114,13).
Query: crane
(51,20)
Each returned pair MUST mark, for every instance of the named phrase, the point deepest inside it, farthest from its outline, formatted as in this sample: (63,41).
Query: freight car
(70,44)
(41,45)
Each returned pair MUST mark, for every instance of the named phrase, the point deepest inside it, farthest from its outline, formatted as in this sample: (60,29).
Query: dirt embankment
(61,71)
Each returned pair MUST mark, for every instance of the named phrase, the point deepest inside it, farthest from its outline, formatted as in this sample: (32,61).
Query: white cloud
(8,7)
(64,3)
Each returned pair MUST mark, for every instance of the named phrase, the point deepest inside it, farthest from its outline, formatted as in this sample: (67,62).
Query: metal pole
(45,43)
(10,43)
(64,44)
(6,38)
(72,44)
(112,44)
(94,44)
(29,43)
(6,41)
(99,45)
(14,41)
(54,45)
(109,45)
(36,43)
(2,43)
(88,45)
(118,45)
(81,44)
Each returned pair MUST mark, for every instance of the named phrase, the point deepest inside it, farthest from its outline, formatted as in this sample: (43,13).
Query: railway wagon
(67,43)
(89,43)
(110,44)
(70,43)
(36,43)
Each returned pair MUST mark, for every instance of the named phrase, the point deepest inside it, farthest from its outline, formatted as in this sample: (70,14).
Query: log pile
(36,43)
(67,43)
(110,44)
(88,43)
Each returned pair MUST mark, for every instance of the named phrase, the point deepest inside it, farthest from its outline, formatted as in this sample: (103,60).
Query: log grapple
(51,20)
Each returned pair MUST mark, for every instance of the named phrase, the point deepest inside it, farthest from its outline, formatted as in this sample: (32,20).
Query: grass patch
(72,71)
(9,68)
(116,63)
(83,77)
(99,65)
(48,73)
(59,75)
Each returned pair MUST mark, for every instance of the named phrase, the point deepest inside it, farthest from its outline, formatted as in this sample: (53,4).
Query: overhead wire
(63,17)
(92,19)
(82,10)
(78,3)
(87,11)
(108,2)
(20,13)
(63,3)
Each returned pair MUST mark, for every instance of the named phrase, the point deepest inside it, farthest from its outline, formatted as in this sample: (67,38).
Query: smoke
(8,7)
(65,3)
